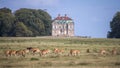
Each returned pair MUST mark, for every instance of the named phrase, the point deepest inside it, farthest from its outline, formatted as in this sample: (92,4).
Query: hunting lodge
(62,26)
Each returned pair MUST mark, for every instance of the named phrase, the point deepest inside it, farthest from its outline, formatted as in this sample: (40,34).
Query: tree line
(24,22)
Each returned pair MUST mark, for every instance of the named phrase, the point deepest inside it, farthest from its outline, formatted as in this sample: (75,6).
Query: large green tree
(6,22)
(37,21)
(115,27)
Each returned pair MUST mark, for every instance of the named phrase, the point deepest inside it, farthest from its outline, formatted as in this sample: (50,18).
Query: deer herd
(57,51)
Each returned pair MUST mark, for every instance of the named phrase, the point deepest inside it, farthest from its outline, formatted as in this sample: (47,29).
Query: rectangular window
(53,27)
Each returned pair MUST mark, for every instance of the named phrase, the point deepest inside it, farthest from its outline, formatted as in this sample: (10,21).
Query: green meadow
(51,60)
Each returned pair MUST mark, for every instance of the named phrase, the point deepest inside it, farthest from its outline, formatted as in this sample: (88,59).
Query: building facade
(62,26)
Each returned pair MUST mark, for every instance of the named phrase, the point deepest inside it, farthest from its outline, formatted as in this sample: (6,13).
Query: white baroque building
(62,26)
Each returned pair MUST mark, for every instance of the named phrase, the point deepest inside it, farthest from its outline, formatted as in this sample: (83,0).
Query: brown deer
(74,52)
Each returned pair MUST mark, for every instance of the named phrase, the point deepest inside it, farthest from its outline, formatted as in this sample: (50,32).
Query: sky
(91,17)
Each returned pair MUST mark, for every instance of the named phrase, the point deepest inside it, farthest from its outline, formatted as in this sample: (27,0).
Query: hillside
(93,59)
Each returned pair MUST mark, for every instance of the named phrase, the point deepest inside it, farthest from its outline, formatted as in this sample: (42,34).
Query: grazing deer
(26,51)
(74,52)
(44,52)
(103,52)
(114,51)
(10,52)
(58,51)
(21,53)
(34,50)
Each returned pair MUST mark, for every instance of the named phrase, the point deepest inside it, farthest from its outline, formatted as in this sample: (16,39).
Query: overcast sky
(91,17)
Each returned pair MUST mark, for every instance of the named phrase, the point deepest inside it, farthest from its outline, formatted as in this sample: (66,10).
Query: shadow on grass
(84,63)
(77,64)
(45,64)
(12,66)
(117,64)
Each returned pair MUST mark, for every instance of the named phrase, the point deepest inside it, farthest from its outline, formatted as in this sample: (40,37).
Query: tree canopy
(6,22)
(115,27)
(24,22)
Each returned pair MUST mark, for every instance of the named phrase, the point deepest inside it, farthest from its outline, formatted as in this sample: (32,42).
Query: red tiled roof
(62,18)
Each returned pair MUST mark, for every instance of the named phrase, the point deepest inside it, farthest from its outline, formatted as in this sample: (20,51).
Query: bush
(32,59)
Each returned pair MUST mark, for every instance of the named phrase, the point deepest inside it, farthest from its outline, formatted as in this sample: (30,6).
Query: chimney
(58,15)
(65,15)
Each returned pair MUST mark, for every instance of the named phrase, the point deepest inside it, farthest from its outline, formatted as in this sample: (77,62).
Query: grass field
(83,60)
